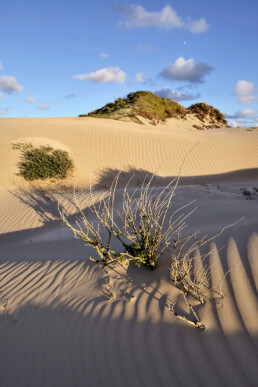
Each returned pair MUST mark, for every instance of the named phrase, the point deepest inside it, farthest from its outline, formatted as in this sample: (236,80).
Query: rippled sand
(58,326)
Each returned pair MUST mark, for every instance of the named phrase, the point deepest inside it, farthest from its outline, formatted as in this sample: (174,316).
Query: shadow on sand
(136,176)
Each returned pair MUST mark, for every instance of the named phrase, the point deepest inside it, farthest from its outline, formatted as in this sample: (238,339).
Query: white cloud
(242,113)
(247,99)
(9,85)
(245,91)
(103,55)
(240,123)
(145,47)
(186,70)
(1,66)
(105,75)
(235,124)
(167,18)
(43,106)
(246,113)
(244,88)
(30,99)
(4,110)
(198,26)
(141,78)
(1,96)
(176,95)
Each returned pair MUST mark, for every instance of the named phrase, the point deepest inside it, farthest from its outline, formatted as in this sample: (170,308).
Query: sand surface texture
(58,324)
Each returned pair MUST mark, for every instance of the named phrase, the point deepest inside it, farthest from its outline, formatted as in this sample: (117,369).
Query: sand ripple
(60,329)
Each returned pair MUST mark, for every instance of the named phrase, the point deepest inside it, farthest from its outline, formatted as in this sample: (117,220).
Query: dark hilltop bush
(43,162)
(203,110)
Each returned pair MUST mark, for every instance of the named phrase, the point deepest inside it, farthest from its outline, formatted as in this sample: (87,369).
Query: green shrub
(42,162)
(141,103)
(144,252)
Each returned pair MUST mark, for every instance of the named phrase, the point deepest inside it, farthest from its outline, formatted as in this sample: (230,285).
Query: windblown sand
(58,326)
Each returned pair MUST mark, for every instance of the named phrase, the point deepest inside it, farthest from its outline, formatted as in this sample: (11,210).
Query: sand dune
(98,144)
(59,327)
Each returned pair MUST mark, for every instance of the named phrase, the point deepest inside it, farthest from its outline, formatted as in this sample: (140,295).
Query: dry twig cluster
(190,280)
(145,226)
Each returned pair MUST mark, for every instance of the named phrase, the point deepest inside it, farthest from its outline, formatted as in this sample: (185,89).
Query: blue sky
(64,58)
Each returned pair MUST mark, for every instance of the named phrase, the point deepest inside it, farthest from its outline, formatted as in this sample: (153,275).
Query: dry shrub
(145,227)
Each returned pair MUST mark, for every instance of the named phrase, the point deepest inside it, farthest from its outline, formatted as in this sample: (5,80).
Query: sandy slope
(57,325)
(100,145)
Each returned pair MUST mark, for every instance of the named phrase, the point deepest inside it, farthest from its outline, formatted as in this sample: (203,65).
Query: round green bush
(43,162)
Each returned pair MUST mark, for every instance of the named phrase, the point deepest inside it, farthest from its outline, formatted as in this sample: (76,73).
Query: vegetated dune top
(144,104)
(102,147)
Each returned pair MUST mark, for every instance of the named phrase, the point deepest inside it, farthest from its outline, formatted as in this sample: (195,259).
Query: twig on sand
(94,260)
(12,323)
(5,308)
(195,323)
(109,295)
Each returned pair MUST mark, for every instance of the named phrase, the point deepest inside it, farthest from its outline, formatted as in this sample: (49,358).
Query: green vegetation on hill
(154,108)
(142,103)
(42,162)
(149,105)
